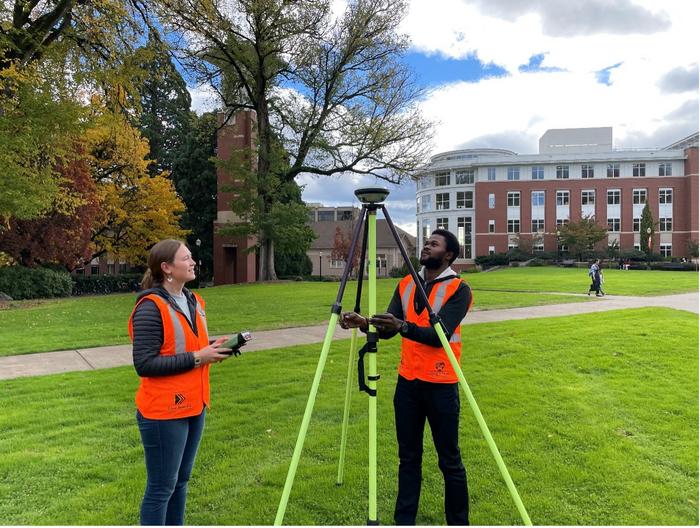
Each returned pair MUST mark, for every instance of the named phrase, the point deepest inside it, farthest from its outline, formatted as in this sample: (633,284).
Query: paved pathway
(114,356)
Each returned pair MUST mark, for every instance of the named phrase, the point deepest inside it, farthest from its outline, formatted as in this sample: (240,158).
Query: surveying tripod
(371,199)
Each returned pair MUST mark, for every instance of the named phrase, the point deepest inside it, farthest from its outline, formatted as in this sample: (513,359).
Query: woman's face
(182,267)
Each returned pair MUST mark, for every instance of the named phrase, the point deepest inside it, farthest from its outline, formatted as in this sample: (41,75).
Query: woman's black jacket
(148,337)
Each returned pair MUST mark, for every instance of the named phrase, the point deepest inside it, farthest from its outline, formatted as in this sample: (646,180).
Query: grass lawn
(595,415)
(575,280)
(41,326)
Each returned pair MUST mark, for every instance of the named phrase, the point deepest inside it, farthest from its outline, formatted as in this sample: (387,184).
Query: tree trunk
(266,268)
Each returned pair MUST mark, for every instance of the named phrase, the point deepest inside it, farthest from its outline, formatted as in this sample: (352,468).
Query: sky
(499,73)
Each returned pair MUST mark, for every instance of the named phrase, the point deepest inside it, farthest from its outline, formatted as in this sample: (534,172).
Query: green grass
(41,326)
(575,280)
(596,417)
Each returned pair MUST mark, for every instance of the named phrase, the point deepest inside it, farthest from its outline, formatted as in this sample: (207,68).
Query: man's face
(432,256)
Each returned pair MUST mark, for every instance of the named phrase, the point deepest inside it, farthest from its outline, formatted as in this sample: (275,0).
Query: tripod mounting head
(372,195)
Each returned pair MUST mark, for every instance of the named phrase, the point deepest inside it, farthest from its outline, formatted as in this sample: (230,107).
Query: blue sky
(499,73)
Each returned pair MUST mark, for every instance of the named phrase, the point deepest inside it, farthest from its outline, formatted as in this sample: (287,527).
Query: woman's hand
(214,353)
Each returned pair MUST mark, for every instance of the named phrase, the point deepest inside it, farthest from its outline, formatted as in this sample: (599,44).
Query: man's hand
(353,320)
(386,322)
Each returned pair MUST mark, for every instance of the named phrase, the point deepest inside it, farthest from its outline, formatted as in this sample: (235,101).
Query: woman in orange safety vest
(172,354)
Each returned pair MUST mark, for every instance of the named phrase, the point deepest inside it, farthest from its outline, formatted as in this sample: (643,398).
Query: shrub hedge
(103,284)
(34,283)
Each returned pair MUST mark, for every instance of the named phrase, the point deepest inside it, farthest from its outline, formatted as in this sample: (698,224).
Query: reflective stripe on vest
(178,330)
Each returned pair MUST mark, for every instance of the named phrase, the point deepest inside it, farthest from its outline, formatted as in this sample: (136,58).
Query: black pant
(414,401)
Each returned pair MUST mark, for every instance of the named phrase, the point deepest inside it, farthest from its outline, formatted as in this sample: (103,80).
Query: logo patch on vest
(179,399)
(440,366)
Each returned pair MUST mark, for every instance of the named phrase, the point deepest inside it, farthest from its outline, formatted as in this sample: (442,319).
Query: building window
(512,245)
(312,216)
(492,226)
(639,169)
(464,235)
(538,173)
(613,224)
(94,270)
(326,216)
(665,224)
(464,176)
(562,221)
(426,203)
(636,246)
(665,250)
(665,196)
(492,250)
(110,268)
(586,171)
(122,267)
(639,196)
(587,197)
(426,231)
(344,215)
(513,173)
(442,178)
(562,197)
(613,170)
(425,182)
(614,197)
(442,201)
(513,199)
(491,174)
(514,226)
(562,172)
(417,205)
(538,226)
(537,198)
(442,223)
(492,200)
(664,169)
(538,248)
(337,264)
(465,200)
(636,224)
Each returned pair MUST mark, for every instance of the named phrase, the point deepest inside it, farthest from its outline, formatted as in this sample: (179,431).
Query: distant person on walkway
(172,355)
(427,384)
(594,274)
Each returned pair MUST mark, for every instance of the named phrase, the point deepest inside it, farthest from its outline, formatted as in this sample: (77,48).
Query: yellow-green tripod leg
(307,418)
(482,424)
(346,409)
(372,375)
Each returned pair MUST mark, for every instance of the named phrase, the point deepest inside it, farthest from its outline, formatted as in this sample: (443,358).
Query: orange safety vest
(423,362)
(179,395)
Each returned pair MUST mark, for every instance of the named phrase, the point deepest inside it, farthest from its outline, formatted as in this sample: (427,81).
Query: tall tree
(581,236)
(194,176)
(332,91)
(165,105)
(136,209)
(646,230)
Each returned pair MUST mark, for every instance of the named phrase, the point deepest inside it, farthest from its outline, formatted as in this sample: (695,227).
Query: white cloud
(204,99)
(522,106)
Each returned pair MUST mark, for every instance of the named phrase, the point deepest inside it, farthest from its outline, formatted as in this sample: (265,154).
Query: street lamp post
(320,264)
(198,243)
(558,246)
(649,246)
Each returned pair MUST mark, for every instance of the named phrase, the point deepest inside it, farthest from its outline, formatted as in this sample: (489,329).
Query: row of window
(463,232)
(664,249)
(639,196)
(467,176)
(513,225)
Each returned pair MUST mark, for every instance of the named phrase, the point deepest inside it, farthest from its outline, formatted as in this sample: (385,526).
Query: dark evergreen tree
(647,222)
(165,104)
(194,176)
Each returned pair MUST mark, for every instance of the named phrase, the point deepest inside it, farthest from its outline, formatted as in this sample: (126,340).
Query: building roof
(325,232)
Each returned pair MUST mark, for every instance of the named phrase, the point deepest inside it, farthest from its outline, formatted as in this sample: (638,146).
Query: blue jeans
(415,402)
(170,447)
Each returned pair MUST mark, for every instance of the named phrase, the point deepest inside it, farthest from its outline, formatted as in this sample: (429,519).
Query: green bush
(103,284)
(488,261)
(292,264)
(403,270)
(34,283)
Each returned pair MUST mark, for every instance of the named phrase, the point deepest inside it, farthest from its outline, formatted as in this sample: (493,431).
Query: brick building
(494,198)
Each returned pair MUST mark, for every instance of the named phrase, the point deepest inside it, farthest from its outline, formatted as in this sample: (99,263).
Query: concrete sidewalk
(44,363)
